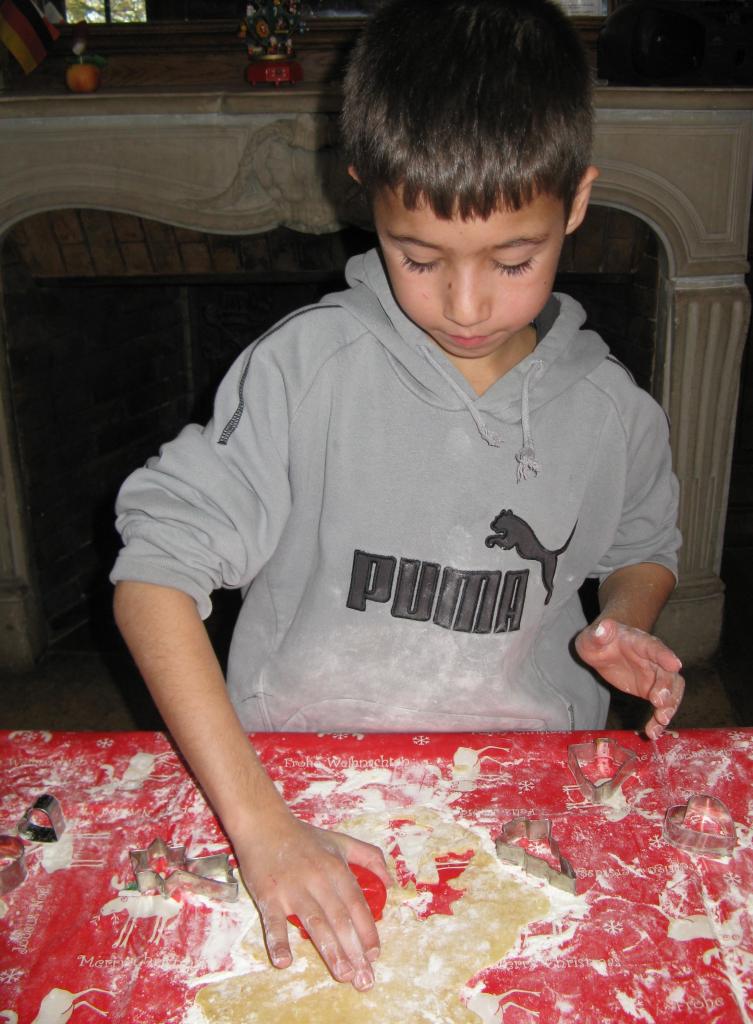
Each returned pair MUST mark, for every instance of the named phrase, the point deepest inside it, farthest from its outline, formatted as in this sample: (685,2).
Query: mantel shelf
(316,98)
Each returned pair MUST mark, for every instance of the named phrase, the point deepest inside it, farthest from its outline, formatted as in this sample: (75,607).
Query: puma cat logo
(510,531)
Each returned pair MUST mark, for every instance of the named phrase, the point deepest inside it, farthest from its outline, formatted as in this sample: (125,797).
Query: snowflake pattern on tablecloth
(10,975)
(341,735)
(30,736)
(612,927)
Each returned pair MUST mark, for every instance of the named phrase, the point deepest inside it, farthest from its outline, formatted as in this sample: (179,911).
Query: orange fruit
(82,77)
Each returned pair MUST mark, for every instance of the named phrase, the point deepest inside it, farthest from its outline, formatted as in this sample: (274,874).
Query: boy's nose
(466,302)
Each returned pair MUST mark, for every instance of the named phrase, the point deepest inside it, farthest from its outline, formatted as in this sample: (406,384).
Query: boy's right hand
(298,869)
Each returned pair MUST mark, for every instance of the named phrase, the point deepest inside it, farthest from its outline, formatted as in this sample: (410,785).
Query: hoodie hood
(563,355)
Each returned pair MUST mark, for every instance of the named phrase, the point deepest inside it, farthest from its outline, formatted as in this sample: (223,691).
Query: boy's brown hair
(469,105)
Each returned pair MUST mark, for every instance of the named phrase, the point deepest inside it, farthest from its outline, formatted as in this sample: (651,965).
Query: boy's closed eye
(506,269)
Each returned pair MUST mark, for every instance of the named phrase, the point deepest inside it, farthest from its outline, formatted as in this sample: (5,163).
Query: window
(105,10)
(114,11)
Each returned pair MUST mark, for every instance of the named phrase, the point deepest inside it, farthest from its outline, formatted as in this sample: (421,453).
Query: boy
(411,480)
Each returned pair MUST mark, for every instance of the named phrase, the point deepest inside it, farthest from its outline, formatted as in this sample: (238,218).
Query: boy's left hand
(637,663)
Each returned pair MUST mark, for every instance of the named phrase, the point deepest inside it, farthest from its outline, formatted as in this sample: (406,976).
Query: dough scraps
(425,963)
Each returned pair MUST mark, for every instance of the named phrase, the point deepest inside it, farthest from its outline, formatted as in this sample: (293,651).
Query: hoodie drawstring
(495,440)
(526,457)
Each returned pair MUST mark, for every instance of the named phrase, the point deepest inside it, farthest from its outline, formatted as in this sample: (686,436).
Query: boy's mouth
(465,341)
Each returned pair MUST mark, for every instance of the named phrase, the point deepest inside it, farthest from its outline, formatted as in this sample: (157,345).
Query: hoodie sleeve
(647,530)
(210,509)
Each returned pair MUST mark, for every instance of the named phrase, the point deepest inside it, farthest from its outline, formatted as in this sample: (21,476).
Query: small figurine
(267,32)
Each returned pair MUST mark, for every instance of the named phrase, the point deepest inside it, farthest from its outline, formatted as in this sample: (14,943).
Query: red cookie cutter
(372,887)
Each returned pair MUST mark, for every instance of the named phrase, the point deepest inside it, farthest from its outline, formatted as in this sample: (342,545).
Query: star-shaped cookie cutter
(535,830)
(197,874)
(13,868)
(703,825)
(603,749)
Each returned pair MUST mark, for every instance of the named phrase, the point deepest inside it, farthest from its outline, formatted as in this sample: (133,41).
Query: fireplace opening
(120,328)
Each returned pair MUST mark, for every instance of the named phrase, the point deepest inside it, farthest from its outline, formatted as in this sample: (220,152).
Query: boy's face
(474,286)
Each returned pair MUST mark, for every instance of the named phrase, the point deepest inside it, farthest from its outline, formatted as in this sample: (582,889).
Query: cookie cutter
(13,868)
(198,874)
(601,749)
(535,830)
(46,806)
(703,825)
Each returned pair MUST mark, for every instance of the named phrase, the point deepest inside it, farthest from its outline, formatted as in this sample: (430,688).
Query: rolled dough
(424,964)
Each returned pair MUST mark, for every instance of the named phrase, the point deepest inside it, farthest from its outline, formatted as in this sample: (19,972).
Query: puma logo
(510,531)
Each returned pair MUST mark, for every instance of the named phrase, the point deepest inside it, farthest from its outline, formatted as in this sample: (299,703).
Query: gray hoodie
(409,553)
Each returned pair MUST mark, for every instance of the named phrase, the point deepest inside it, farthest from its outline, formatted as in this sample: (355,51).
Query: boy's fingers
(362,975)
(667,692)
(362,921)
(335,937)
(276,936)
(604,631)
(325,940)
(593,638)
(666,696)
(653,730)
(370,857)
(668,660)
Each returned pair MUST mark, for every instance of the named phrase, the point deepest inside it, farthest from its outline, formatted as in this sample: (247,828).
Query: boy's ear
(581,200)
(354,174)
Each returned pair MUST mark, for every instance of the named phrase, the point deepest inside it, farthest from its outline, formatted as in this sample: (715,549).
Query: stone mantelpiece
(246,162)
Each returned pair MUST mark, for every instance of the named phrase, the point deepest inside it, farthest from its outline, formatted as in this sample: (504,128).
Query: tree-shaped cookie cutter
(535,830)
(703,825)
(600,750)
(197,874)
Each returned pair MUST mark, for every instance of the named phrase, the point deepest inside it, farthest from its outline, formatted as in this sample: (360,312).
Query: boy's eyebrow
(513,243)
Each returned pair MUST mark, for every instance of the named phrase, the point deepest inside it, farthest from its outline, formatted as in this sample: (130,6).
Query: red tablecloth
(654,934)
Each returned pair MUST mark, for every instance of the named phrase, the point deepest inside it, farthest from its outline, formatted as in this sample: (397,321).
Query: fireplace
(220,166)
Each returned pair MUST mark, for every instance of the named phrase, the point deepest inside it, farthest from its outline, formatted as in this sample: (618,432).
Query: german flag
(27,34)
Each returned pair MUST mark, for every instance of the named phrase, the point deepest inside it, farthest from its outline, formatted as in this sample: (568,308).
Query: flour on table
(697,926)
(425,964)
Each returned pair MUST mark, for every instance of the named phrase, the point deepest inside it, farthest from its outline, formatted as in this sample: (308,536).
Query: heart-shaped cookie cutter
(198,874)
(535,830)
(600,750)
(703,825)
(13,868)
(48,808)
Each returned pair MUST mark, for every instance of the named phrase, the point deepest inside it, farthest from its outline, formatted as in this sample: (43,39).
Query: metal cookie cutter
(12,863)
(48,807)
(602,749)
(198,874)
(535,830)
(702,825)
